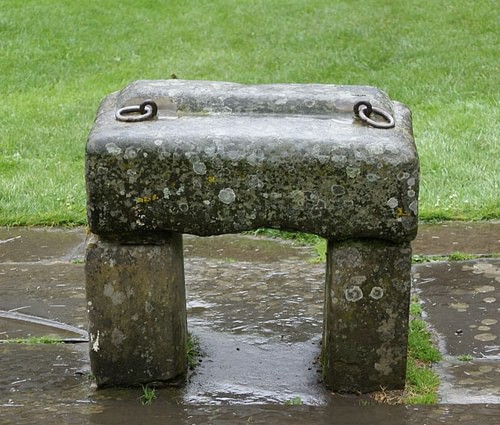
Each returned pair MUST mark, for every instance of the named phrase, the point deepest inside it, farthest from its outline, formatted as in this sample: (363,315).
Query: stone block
(137,311)
(365,329)
(225,158)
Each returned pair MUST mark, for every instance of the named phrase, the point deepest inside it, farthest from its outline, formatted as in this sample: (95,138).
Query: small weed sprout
(296,401)
(148,395)
(193,351)
(465,358)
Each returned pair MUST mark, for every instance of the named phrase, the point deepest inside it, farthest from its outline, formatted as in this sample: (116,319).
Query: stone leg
(137,311)
(365,328)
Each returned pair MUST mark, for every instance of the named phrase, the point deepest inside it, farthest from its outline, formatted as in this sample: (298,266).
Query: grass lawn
(59,58)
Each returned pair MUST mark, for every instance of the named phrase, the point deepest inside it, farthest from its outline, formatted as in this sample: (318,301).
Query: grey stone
(137,311)
(225,158)
(365,328)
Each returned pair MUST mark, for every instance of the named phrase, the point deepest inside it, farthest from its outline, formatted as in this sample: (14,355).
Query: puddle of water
(128,412)
(281,299)
(259,320)
(242,369)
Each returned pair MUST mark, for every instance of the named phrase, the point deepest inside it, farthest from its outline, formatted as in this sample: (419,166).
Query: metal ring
(364,109)
(147,110)
(368,109)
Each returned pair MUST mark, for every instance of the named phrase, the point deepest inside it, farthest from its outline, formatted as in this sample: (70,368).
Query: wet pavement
(256,305)
(462,303)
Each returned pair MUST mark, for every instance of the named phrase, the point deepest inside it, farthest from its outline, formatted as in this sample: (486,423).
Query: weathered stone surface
(367,299)
(137,311)
(224,158)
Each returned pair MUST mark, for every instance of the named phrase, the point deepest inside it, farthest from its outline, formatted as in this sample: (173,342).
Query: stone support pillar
(367,298)
(137,311)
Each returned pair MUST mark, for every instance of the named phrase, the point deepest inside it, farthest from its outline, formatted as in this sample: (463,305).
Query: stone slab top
(224,158)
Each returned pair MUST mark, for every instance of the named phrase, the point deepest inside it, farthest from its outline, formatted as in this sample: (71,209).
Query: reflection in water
(290,415)
(282,299)
(258,314)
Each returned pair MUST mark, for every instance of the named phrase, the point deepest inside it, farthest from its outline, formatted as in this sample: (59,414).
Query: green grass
(416,309)
(295,401)
(34,340)
(193,350)
(419,344)
(456,256)
(61,57)
(422,384)
(421,381)
(317,242)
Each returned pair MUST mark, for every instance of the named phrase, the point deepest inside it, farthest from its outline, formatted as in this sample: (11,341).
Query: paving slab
(450,237)
(54,290)
(279,298)
(29,244)
(40,371)
(248,369)
(23,327)
(471,382)
(461,301)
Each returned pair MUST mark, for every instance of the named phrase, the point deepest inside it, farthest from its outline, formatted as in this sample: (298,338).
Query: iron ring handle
(147,110)
(364,109)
